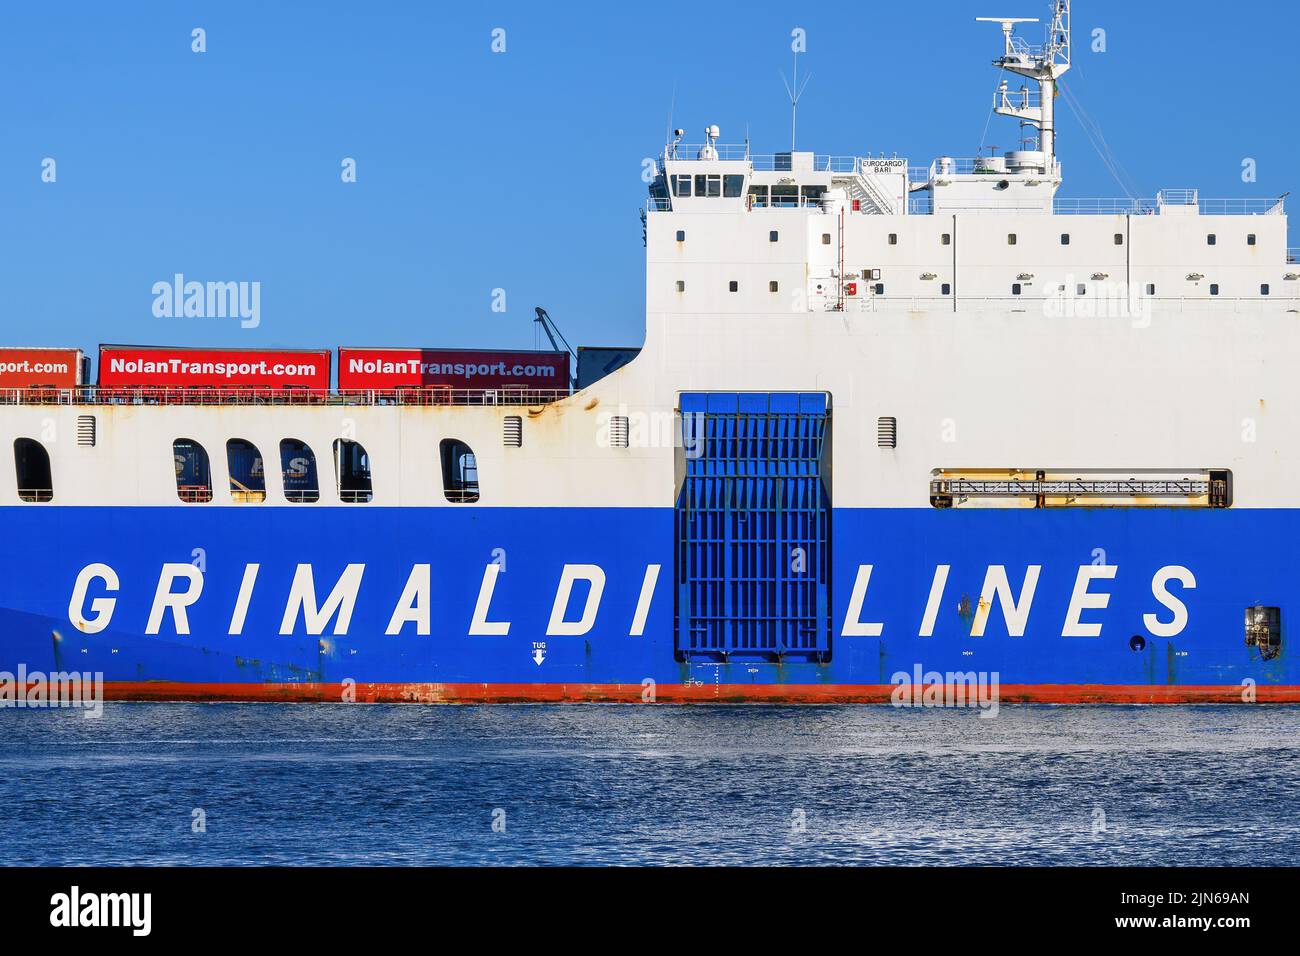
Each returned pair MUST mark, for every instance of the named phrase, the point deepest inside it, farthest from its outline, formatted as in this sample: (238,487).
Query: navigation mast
(1045,65)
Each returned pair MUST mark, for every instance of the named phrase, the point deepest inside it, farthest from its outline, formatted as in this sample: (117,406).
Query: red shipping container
(46,368)
(387,369)
(125,366)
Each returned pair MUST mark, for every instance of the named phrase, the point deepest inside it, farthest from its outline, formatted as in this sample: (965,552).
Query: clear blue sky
(521,170)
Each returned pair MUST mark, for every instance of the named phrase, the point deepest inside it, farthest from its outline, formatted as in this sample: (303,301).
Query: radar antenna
(1044,64)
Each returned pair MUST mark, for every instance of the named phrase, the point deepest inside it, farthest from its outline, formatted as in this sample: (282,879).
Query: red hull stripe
(431,693)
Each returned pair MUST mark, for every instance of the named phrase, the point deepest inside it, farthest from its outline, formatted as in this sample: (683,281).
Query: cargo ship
(888,420)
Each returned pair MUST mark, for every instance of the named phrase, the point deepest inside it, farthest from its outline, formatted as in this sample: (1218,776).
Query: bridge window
(247,471)
(352,472)
(193,475)
(298,465)
(32,461)
(682,186)
(758,196)
(708,186)
(787,195)
(733,186)
(459,471)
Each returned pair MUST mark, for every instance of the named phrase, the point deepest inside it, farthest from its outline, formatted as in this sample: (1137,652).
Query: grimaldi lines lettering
(93,601)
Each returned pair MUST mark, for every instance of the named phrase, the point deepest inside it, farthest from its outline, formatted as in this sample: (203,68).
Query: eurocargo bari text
(177,366)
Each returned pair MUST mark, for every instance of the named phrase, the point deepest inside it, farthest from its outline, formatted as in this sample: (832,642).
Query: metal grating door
(753,528)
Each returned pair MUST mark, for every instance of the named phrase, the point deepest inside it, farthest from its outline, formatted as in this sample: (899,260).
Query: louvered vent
(618,431)
(86,430)
(887,432)
(512,433)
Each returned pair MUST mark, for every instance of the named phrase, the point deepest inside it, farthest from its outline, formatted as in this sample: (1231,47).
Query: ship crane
(1045,65)
(552,330)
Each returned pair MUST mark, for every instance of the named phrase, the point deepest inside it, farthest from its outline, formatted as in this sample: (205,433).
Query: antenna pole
(795,91)
(794,101)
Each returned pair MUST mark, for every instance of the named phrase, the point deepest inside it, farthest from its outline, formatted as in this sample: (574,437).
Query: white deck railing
(761,162)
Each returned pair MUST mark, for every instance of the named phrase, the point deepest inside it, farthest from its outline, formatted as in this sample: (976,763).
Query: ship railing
(1023,48)
(406,396)
(690,152)
(1071,487)
(760,162)
(1103,207)
(1178,197)
(782,163)
(1242,207)
(1055,307)
(784,202)
(1018,99)
(978,166)
(1149,207)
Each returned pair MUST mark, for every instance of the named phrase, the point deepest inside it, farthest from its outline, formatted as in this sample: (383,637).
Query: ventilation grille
(86,430)
(887,432)
(512,432)
(618,428)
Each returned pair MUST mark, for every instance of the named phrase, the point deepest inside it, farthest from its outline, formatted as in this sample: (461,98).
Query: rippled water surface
(644,784)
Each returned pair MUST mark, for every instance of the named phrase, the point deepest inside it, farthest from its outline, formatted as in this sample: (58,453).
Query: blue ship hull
(1234,555)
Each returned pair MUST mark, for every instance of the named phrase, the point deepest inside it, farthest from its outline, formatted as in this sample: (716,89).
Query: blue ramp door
(753,528)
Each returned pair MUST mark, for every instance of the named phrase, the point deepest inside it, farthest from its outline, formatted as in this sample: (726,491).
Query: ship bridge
(731,231)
